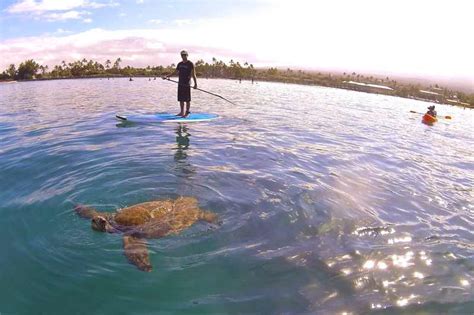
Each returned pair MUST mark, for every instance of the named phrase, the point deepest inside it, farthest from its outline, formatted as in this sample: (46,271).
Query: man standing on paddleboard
(186,71)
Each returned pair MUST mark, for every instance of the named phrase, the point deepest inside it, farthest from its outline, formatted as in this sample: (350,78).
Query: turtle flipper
(85,212)
(209,217)
(137,252)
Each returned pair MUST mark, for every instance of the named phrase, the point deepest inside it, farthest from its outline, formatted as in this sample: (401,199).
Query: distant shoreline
(464,105)
(87,69)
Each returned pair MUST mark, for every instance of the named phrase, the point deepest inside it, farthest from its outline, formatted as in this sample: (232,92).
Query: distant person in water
(431,111)
(130,79)
(185,70)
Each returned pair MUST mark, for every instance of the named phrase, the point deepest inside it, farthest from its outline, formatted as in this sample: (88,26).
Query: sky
(404,37)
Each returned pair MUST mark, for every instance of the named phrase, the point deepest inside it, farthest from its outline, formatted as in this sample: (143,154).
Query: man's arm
(193,74)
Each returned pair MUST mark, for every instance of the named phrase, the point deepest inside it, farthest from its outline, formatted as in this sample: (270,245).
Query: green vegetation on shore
(31,70)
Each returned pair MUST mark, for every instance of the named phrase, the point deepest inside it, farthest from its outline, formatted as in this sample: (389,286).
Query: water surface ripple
(331,201)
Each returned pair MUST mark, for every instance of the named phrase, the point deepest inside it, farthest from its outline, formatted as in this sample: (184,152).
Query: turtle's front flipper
(85,212)
(136,252)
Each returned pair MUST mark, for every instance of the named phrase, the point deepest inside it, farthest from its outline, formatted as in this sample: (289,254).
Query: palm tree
(11,71)
(117,63)
(56,71)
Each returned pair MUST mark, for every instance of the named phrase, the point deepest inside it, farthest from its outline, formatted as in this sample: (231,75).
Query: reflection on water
(387,269)
(181,152)
(182,141)
(343,209)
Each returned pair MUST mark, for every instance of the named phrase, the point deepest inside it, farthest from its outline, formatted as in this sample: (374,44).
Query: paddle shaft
(214,94)
(445,117)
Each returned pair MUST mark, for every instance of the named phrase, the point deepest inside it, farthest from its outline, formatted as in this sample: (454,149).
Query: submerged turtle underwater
(153,219)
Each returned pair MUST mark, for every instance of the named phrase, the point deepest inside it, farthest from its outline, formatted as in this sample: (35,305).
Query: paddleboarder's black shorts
(184,93)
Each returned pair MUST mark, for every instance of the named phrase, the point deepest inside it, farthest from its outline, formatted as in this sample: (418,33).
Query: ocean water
(331,201)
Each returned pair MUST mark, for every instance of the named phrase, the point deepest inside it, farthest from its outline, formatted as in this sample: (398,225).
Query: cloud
(29,6)
(155,21)
(62,32)
(140,1)
(183,22)
(38,7)
(97,5)
(55,10)
(140,47)
(68,15)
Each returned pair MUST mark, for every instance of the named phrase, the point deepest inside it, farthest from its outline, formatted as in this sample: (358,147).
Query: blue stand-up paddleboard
(164,117)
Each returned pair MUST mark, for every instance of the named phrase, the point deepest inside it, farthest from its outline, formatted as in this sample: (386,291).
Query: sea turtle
(153,219)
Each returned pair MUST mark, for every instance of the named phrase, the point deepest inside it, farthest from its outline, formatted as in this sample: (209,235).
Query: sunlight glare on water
(331,201)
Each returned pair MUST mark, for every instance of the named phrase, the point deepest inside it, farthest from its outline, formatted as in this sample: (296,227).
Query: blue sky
(408,37)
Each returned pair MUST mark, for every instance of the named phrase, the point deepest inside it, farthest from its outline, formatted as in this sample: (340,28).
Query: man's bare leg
(181,105)
(188,106)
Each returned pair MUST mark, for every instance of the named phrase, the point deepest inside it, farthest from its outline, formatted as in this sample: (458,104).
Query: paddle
(445,117)
(165,78)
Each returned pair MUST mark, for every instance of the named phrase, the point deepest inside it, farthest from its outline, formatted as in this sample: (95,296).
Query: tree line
(30,69)
(84,68)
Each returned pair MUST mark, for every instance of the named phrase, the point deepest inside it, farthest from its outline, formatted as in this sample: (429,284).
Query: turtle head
(85,212)
(100,223)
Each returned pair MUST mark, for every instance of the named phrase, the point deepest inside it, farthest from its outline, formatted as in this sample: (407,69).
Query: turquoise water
(331,201)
